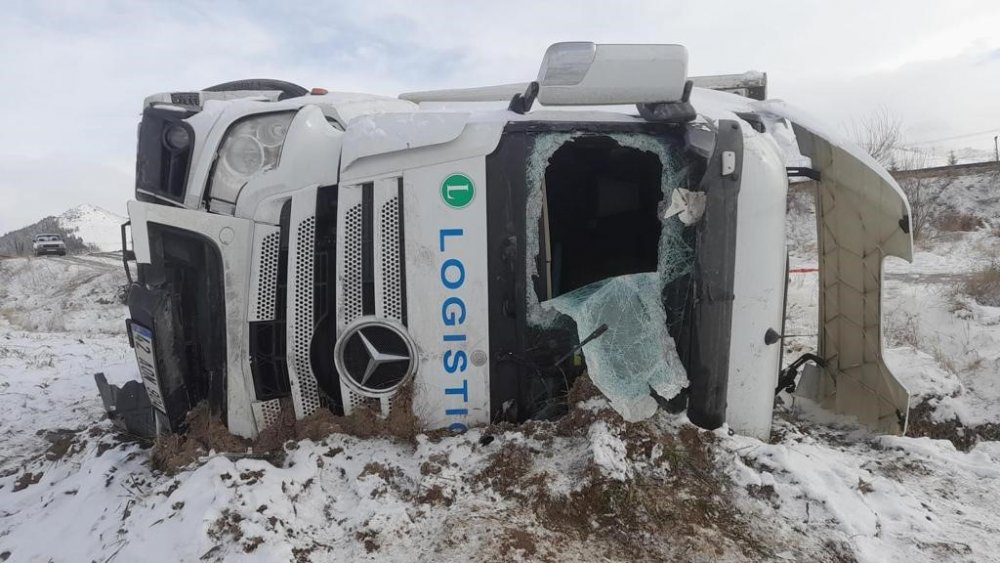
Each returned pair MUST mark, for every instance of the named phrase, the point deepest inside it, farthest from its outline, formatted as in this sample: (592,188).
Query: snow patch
(609,452)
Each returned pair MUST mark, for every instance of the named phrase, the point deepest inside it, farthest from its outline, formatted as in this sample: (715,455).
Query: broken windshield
(607,253)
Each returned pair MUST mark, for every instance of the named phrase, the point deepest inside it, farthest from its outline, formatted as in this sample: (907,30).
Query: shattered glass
(636,354)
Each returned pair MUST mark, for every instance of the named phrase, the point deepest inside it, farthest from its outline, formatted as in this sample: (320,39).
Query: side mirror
(585,73)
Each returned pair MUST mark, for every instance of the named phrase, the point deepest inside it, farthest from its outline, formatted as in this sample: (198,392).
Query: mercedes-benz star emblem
(375,356)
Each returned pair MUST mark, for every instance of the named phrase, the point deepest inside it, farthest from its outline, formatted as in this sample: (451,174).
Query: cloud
(36,187)
(940,102)
(74,73)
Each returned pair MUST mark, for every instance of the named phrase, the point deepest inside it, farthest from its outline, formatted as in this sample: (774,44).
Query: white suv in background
(48,244)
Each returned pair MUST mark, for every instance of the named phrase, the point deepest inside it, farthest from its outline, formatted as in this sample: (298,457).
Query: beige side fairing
(862,217)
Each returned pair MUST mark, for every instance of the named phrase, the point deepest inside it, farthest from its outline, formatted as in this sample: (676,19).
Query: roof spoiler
(751,84)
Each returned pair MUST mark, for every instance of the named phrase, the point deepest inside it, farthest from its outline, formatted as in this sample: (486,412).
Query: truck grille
(372,254)
(371,251)
(339,272)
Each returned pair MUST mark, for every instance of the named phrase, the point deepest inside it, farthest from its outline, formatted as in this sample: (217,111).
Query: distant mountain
(96,226)
(83,228)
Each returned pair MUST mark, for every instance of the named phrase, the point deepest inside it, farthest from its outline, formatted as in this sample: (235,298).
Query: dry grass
(901,328)
(984,286)
(957,221)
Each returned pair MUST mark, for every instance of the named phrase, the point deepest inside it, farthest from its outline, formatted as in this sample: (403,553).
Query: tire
(287,89)
(62,253)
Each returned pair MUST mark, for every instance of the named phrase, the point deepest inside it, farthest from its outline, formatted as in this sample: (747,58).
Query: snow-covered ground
(587,488)
(71,294)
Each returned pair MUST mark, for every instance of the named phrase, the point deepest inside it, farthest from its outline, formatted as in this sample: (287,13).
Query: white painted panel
(448,311)
(758,286)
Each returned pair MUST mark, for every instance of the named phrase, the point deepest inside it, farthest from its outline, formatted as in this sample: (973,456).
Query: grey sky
(73,74)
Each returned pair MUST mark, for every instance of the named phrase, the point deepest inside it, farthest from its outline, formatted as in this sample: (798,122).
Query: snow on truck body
(315,250)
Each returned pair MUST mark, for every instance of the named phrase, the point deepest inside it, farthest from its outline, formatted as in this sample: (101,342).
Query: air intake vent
(267,285)
(353,234)
(301,324)
(373,284)
(267,413)
(392,282)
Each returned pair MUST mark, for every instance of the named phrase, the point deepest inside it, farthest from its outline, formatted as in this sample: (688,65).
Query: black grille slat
(402,255)
(368,249)
(267,360)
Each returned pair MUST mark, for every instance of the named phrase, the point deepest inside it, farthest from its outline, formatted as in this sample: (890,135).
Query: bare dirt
(690,502)
(206,433)
(26,480)
(921,423)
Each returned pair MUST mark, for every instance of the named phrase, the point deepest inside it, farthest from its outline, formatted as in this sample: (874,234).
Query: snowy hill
(94,225)
(85,228)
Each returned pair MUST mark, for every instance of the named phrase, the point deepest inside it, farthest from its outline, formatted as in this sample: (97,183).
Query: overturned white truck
(314,250)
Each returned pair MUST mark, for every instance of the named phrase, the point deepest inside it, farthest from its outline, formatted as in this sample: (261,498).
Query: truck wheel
(287,89)
(62,253)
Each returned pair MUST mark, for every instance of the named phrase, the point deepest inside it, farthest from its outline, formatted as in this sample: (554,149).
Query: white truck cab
(312,250)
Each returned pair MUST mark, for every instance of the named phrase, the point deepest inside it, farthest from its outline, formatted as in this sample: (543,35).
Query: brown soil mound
(365,422)
(688,503)
(921,423)
(207,433)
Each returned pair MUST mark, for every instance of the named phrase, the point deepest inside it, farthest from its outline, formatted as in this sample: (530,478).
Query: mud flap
(128,406)
(863,216)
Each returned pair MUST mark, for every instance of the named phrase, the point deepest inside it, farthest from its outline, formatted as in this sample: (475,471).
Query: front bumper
(192,295)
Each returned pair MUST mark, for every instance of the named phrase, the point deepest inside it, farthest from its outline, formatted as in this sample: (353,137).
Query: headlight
(250,147)
(176,137)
